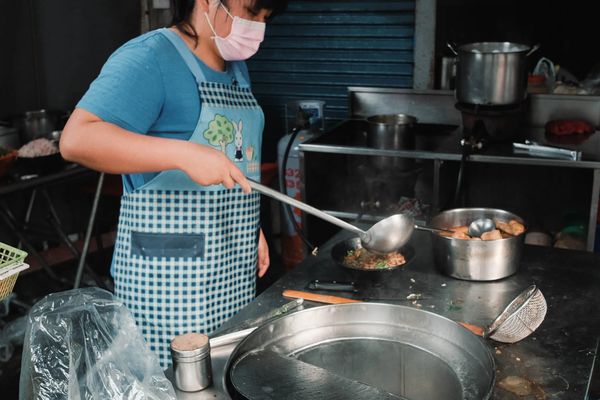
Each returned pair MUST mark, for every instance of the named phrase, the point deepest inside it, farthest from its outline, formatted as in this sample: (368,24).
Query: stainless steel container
(492,73)
(191,362)
(475,260)
(448,73)
(392,132)
(37,124)
(381,345)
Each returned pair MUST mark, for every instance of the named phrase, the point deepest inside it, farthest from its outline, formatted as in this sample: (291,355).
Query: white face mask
(244,39)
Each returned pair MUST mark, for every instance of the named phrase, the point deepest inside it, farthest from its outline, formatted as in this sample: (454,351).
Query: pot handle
(533,50)
(452,46)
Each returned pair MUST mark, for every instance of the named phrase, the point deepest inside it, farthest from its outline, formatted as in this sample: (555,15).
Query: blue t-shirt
(146,87)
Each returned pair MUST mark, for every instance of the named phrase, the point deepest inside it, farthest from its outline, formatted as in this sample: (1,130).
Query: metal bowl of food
(350,254)
(474,259)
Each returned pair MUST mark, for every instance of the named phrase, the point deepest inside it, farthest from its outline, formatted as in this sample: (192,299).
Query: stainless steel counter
(554,363)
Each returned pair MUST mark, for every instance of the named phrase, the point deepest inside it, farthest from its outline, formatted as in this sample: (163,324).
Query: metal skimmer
(520,318)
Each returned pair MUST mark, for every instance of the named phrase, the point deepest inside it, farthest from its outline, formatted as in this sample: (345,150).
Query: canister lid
(190,345)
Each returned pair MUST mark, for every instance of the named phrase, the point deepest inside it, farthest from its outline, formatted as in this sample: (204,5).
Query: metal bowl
(476,260)
(340,250)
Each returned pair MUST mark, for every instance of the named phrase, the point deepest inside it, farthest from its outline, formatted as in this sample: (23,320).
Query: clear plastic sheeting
(84,344)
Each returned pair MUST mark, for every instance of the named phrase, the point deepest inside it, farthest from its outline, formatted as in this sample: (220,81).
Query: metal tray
(340,250)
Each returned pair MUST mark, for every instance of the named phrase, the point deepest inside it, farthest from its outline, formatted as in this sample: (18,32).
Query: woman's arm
(88,140)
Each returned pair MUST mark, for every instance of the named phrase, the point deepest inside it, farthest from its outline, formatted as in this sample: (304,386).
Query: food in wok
(364,259)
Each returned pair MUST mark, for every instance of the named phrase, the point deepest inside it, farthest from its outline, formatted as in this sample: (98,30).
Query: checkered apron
(185,255)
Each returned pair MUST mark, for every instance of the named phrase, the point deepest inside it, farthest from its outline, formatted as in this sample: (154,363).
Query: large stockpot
(391,132)
(492,73)
(476,260)
(381,345)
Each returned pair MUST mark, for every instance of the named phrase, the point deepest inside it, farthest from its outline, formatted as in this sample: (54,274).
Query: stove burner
(472,143)
(492,123)
(379,189)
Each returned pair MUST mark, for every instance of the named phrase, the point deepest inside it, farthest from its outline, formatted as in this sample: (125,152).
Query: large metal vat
(406,352)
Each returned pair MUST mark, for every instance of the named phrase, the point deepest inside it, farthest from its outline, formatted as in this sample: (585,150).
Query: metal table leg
(29,209)
(56,224)
(88,233)
(11,222)
(436,201)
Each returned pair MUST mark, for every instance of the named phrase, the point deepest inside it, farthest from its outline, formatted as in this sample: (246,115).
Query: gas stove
(489,124)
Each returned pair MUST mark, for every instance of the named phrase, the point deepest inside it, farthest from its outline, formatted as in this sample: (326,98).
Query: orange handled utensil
(320,298)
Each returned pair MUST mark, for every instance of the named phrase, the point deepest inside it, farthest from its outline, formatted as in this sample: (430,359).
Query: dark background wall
(52,49)
(566,30)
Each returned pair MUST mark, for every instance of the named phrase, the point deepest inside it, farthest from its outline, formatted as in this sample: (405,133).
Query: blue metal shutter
(316,49)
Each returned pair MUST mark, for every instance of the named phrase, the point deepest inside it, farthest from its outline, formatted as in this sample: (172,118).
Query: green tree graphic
(219,132)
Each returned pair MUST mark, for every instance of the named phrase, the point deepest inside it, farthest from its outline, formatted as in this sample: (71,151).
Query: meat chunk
(492,235)
(512,227)
(462,229)
(460,235)
(517,227)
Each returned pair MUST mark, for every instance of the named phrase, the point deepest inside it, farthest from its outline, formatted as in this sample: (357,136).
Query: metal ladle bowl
(481,226)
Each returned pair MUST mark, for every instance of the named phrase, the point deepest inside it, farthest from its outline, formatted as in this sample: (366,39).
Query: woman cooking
(173,112)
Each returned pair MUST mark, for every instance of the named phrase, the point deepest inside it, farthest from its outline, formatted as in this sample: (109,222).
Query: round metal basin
(397,350)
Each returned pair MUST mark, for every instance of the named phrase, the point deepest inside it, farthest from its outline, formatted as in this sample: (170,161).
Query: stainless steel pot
(386,347)
(40,123)
(392,132)
(492,73)
(476,260)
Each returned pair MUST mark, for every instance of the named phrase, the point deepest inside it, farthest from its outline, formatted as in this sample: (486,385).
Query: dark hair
(182,11)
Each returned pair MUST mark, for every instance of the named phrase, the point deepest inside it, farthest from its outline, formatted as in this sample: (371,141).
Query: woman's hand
(263,255)
(208,166)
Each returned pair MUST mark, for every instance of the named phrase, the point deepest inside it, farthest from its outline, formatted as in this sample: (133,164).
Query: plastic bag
(84,344)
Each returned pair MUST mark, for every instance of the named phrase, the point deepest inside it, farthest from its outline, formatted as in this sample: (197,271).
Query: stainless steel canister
(392,132)
(37,124)
(191,362)
(448,73)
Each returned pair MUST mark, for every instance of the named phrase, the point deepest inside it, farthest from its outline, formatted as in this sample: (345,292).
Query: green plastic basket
(9,256)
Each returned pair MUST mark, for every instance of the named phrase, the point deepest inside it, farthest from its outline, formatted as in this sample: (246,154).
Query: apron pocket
(166,245)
